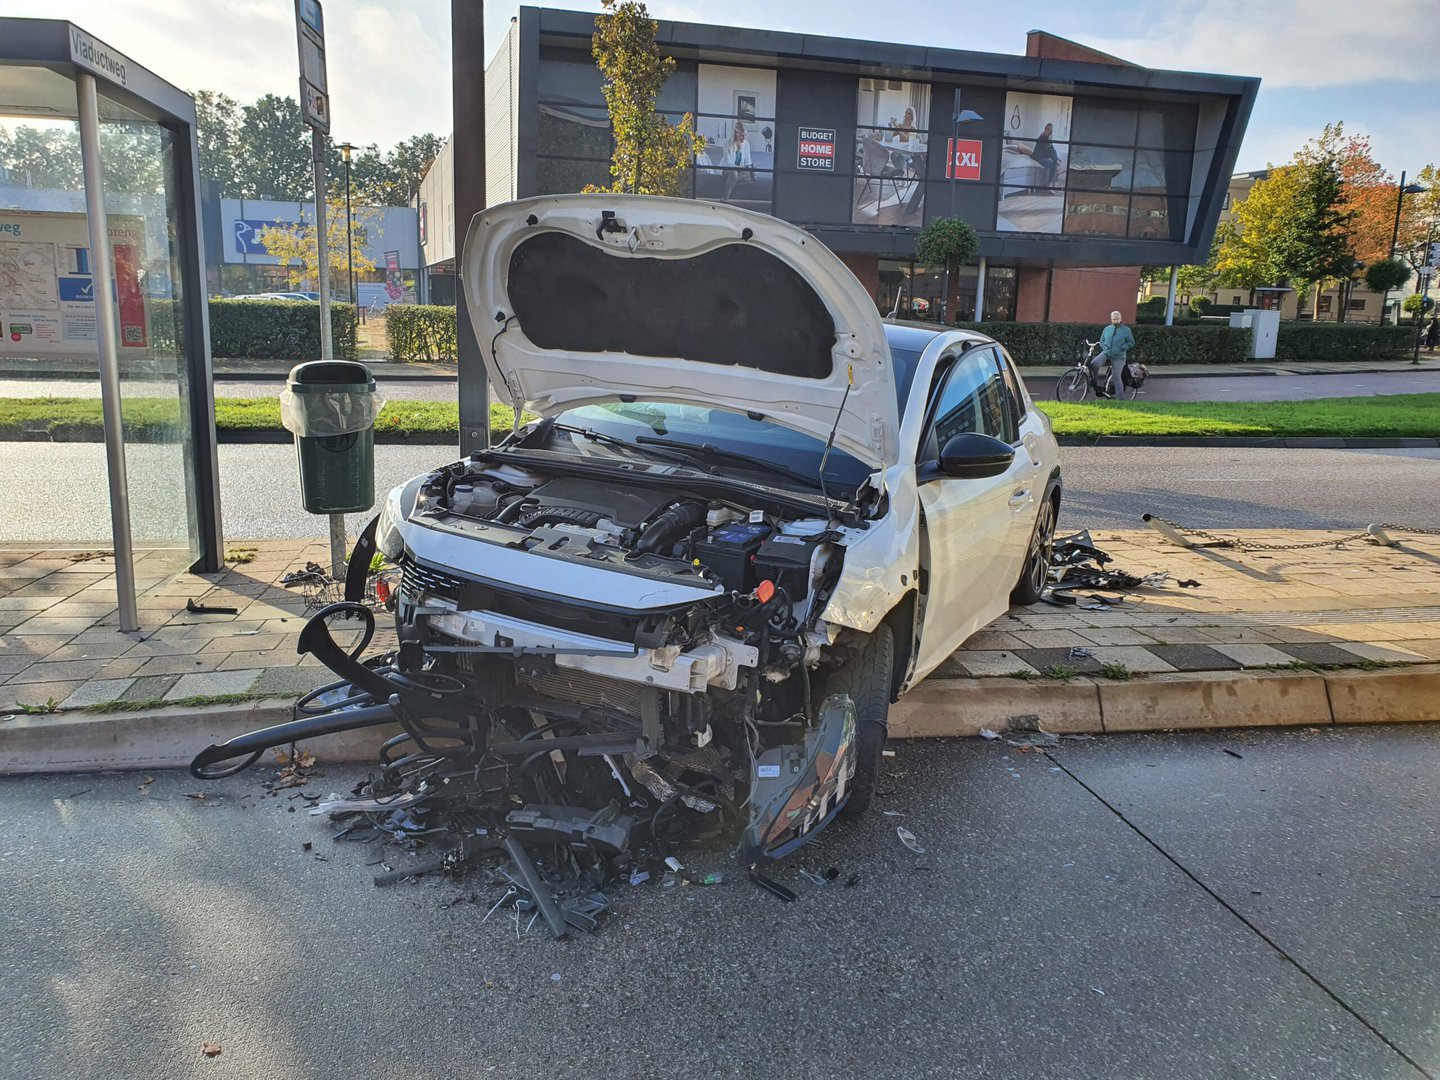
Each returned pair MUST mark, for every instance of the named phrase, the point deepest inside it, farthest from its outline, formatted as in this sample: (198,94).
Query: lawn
(1395,416)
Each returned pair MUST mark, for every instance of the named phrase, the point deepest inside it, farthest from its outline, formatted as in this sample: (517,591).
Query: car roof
(915,336)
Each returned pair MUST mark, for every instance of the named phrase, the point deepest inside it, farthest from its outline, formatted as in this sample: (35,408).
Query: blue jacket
(1117,341)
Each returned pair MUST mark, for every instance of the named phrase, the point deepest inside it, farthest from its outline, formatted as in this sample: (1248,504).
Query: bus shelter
(102,278)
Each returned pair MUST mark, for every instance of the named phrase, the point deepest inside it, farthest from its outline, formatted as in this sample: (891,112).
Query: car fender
(881,561)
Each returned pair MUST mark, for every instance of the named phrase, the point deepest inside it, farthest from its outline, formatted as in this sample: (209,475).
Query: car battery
(727,551)
(785,560)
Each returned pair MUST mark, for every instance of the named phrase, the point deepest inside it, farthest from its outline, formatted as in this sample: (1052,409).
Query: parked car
(277,296)
(747,516)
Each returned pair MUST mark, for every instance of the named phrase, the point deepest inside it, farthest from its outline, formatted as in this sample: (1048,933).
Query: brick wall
(1085,294)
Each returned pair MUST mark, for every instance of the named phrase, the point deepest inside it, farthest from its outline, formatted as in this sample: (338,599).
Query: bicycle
(1082,379)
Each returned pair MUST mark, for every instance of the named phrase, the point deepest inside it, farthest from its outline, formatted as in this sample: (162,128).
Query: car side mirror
(972,456)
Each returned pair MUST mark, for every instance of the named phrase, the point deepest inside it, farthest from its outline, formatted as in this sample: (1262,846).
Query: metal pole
(467,53)
(980,290)
(1394,238)
(106,327)
(327,335)
(349,234)
(1170,300)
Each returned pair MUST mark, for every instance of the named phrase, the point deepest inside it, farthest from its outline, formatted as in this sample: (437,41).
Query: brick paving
(1357,604)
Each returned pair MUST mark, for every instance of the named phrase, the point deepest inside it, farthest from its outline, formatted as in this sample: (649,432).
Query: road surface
(1249,904)
(57,491)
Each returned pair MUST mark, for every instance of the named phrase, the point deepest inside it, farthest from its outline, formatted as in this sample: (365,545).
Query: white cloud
(1298,43)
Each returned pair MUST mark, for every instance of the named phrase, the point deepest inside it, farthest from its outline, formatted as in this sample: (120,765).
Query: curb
(1182,701)
(168,738)
(937,708)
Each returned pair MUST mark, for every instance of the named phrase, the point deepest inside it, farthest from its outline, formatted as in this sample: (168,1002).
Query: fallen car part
(209,609)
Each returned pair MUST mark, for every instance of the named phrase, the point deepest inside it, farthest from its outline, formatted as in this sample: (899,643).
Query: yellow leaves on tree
(297,244)
(651,156)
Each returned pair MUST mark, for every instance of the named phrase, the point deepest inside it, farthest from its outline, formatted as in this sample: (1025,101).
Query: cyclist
(1116,341)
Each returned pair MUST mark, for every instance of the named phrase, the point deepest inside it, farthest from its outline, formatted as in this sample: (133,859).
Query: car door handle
(1020,498)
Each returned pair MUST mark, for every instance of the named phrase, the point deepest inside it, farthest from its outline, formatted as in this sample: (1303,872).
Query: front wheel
(1036,572)
(1073,386)
(865,674)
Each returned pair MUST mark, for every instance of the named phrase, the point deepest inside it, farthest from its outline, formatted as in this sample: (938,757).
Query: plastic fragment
(674,863)
(986,733)
(714,877)
(909,839)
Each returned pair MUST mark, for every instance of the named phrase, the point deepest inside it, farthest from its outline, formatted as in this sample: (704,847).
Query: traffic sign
(314,86)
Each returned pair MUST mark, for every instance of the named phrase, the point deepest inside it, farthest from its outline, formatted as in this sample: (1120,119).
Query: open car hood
(578,299)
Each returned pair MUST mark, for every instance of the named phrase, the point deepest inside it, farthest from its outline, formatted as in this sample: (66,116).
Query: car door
(966,536)
(1026,432)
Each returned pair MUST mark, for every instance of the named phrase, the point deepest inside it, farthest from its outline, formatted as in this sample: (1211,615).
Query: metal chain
(1247,545)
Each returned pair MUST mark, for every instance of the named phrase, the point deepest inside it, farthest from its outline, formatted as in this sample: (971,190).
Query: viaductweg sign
(816,149)
(962,161)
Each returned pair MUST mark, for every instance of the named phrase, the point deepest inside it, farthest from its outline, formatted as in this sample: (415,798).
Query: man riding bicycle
(1116,341)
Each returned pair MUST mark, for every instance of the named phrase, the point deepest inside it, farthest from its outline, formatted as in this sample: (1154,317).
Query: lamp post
(1401,190)
(958,116)
(346,149)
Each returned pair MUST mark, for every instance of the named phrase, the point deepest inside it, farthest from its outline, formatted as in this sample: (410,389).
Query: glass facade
(1088,166)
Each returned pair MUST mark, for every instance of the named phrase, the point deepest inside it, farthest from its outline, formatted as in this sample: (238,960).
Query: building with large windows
(1074,167)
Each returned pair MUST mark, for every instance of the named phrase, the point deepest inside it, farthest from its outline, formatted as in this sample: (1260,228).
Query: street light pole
(345,150)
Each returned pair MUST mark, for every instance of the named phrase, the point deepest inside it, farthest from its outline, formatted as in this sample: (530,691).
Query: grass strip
(1391,416)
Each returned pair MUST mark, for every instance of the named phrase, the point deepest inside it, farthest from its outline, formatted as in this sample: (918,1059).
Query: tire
(865,673)
(1034,574)
(1073,386)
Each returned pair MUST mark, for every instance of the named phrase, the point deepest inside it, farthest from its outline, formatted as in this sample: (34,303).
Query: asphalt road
(57,491)
(1208,388)
(1145,906)
(1270,387)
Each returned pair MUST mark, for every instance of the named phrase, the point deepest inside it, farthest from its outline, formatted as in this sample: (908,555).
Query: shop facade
(1075,168)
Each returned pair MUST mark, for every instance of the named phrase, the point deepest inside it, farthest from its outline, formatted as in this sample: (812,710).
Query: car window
(972,399)
(1014,395)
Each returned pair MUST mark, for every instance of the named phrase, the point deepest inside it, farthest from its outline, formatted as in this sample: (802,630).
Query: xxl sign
(816,150)
(962,161)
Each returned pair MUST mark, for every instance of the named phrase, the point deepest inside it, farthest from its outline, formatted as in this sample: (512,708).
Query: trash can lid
(330,373)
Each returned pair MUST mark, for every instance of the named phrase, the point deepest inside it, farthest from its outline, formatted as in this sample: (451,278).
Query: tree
(1291,227)
(215,124)
(297,244)
(42,157)
(651,155)
(947,241)
(1420,221)
(272,151)
(1387,274)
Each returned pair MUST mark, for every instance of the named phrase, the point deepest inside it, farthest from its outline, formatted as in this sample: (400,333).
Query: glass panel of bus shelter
(56,495)
(142,205)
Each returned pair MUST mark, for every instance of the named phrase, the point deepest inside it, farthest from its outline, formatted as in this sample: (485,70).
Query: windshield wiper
(611,440)
(711,450)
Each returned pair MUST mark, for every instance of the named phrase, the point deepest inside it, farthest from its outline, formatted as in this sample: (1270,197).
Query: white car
(750,515)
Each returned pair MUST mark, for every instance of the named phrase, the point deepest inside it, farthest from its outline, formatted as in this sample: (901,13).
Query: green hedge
(1343,341)
(420,331)
(278,329)
(1060,343)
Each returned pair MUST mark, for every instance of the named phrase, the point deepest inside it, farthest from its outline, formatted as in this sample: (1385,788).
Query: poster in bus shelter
(47,290)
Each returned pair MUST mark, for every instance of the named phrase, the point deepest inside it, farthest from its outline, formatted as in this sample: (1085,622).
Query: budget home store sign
(816,149)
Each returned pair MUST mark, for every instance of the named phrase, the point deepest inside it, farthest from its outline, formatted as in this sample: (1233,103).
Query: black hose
(669,526)
(253,743)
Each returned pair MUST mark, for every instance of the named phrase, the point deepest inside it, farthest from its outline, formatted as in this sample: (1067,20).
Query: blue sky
(1370,63)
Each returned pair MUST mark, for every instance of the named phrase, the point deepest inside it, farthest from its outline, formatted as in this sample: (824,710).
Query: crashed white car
(749,515)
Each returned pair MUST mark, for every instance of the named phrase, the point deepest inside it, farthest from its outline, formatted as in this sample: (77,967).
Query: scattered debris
(198,796)
(1097,990)
(1188,583)
(209,609)
(1080,653)
(1234,753)
(887,753)
(210,1049)
(909,839)
(986,733)
(901,813)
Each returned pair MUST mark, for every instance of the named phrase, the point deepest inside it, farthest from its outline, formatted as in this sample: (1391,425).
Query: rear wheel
(865,674)
(1036,571)
(1073,386)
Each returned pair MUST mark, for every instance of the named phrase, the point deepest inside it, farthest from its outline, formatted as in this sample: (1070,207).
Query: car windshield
(776,450)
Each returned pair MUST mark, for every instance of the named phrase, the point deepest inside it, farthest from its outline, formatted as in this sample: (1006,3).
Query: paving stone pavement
(1357,604)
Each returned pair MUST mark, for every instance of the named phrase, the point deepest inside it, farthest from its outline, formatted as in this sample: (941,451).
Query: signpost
(315,107)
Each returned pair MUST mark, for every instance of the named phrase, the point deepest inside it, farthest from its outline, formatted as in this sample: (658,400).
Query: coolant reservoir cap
(765,591)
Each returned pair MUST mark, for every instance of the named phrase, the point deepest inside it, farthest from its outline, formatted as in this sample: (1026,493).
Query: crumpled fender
(881,562)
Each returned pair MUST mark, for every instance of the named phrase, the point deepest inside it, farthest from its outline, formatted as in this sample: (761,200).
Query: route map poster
(47,293)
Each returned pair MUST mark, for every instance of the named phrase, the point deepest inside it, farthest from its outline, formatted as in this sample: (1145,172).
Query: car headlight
(389,537)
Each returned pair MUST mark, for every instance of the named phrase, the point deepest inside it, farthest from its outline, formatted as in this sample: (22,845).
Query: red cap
(764,591)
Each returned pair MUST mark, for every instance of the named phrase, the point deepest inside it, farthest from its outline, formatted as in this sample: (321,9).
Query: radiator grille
(583,688)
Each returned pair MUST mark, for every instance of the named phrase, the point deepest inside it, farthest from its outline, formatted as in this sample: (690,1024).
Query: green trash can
(330,407)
